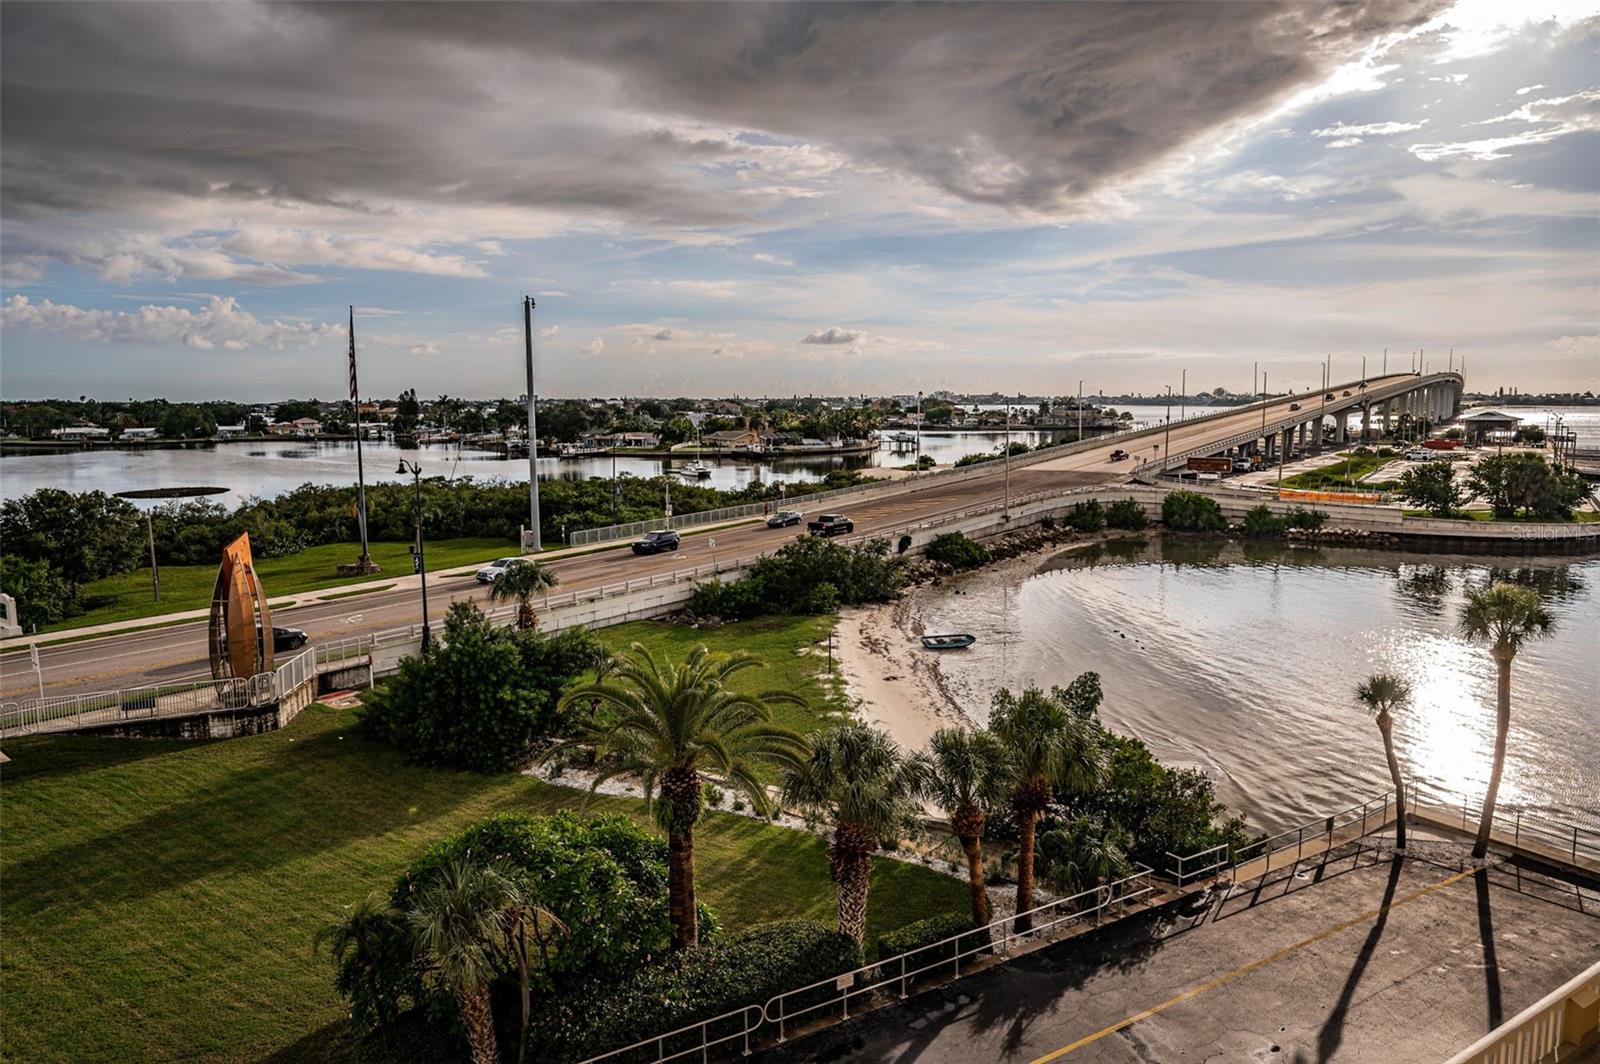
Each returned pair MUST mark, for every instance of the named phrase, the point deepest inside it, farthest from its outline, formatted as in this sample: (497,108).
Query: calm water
(1242,660)
(271,468)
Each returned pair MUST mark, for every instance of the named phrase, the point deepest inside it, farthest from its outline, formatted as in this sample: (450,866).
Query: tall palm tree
(968,773)
(1505,616)
(457,925)
(677,727)
(519,583)
(856,778)
(1054,749)
(1383,694)
(359,936)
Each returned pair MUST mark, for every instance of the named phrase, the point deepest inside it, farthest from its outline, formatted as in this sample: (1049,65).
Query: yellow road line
(1252,966)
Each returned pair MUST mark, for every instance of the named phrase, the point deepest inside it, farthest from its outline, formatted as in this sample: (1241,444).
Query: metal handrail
(1538,1031)
(898,972)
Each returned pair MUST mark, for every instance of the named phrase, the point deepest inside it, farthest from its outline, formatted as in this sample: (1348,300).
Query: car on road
(287,639)
(656,542)
(1420,454)
(1118,455)
(830,525)
(491,572)
(785,518)
(1328,396)
(1347,393)
(1294,406)
(1243,465)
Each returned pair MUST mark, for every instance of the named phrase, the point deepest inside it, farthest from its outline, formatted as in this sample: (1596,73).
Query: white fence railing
(1553,1028)
(181,698)
(1527,831)
(738,1032)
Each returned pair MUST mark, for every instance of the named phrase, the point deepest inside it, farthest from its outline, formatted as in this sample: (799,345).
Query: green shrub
(926,932)
(1386,452)
(747,968)
(957,551)
(1127,514)
(1087,516)
(974,459)
(604,878)
(1300,517)
(810,575)
(1048,523)
(484,697)
(1261,521)
(1189,511)
(43,597)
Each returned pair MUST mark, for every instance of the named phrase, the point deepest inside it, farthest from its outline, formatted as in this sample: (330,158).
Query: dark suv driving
(830,525)
(656,542)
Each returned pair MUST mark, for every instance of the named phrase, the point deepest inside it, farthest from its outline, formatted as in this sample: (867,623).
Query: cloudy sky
(761,199)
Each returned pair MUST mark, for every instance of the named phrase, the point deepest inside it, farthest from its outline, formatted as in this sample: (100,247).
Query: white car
(491,572)
(1420,454)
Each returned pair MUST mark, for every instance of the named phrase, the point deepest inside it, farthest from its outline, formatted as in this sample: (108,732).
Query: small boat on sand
(952,641)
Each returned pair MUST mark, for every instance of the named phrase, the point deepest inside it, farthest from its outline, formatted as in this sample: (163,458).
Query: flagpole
(533,442)
(365,561)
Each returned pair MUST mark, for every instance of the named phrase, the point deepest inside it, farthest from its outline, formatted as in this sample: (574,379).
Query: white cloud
(549,331)
(593,347)
(1577,345)
(1528,88)
(428,347)
(1558,116)
(301,247)
(1348,136)
(771,260)
(832,335)
(221,322)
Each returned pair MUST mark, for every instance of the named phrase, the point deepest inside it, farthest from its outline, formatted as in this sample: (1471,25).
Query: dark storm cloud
(595,111)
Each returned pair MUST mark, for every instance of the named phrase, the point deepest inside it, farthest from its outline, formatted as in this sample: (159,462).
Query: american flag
(355,399)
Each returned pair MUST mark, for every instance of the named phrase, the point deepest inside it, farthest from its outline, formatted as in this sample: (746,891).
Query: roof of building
(1489,415)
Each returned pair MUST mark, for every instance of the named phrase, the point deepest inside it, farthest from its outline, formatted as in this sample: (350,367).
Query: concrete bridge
(1296,422)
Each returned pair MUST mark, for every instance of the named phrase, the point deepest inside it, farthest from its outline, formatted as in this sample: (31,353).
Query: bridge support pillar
(1288,442)
(1366,422)
(1340,428)
(1388,417)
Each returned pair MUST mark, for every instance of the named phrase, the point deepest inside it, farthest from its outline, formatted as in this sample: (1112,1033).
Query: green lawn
(188,587)
(794,649)
(161,896)
(1341,474)
(1581,517)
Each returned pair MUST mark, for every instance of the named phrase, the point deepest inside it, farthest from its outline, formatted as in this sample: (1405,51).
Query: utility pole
(533,425)
(919,430)
(1166,444)
(155,570)
(1080,410)
(1183,400)
(1263,410)
(1255,375)
(667,481)
(364,563)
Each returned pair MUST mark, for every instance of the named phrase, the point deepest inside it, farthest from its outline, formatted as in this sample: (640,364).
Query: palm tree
(457,923)
(967,773)
(519,582)
(524,918)
(359,937)
(1054,749)
(677,727)
(1383,693)
(1505,616)
(856,778)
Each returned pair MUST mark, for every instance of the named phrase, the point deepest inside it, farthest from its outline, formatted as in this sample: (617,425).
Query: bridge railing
(1561,1021)
(131,703)
(740,1030)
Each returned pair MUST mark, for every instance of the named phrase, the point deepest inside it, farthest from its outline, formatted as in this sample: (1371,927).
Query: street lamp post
(1006,509)
(919,432)
(1167,440)
(533,430)
(1263,410)
(1183,397)
(1080,411)
(415,469)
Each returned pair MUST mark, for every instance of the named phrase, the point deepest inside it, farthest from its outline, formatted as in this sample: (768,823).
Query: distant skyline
(792,198)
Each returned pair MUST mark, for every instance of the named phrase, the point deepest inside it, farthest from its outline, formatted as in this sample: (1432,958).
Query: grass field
(1341,474)
(188,587)
(161,896)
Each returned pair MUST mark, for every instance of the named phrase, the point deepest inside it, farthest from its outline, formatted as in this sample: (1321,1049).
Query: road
(178,651)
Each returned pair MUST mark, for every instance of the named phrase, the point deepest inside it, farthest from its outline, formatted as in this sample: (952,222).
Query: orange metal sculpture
(241,625)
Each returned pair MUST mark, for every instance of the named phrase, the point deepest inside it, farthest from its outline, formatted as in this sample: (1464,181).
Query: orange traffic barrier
(1357,498)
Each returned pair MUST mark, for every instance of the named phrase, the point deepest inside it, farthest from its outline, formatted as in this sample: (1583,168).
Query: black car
(287,639)
(830,525)
(656,542)
(784,518)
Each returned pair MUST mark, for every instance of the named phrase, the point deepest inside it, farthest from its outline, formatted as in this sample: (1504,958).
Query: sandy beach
(886,671)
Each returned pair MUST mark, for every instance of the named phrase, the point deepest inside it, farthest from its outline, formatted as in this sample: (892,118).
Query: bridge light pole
(1006,507)
(1080,410)
(1167,440)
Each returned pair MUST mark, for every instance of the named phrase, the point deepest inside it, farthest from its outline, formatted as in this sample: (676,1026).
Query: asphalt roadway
(179,651)
(1363,958)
